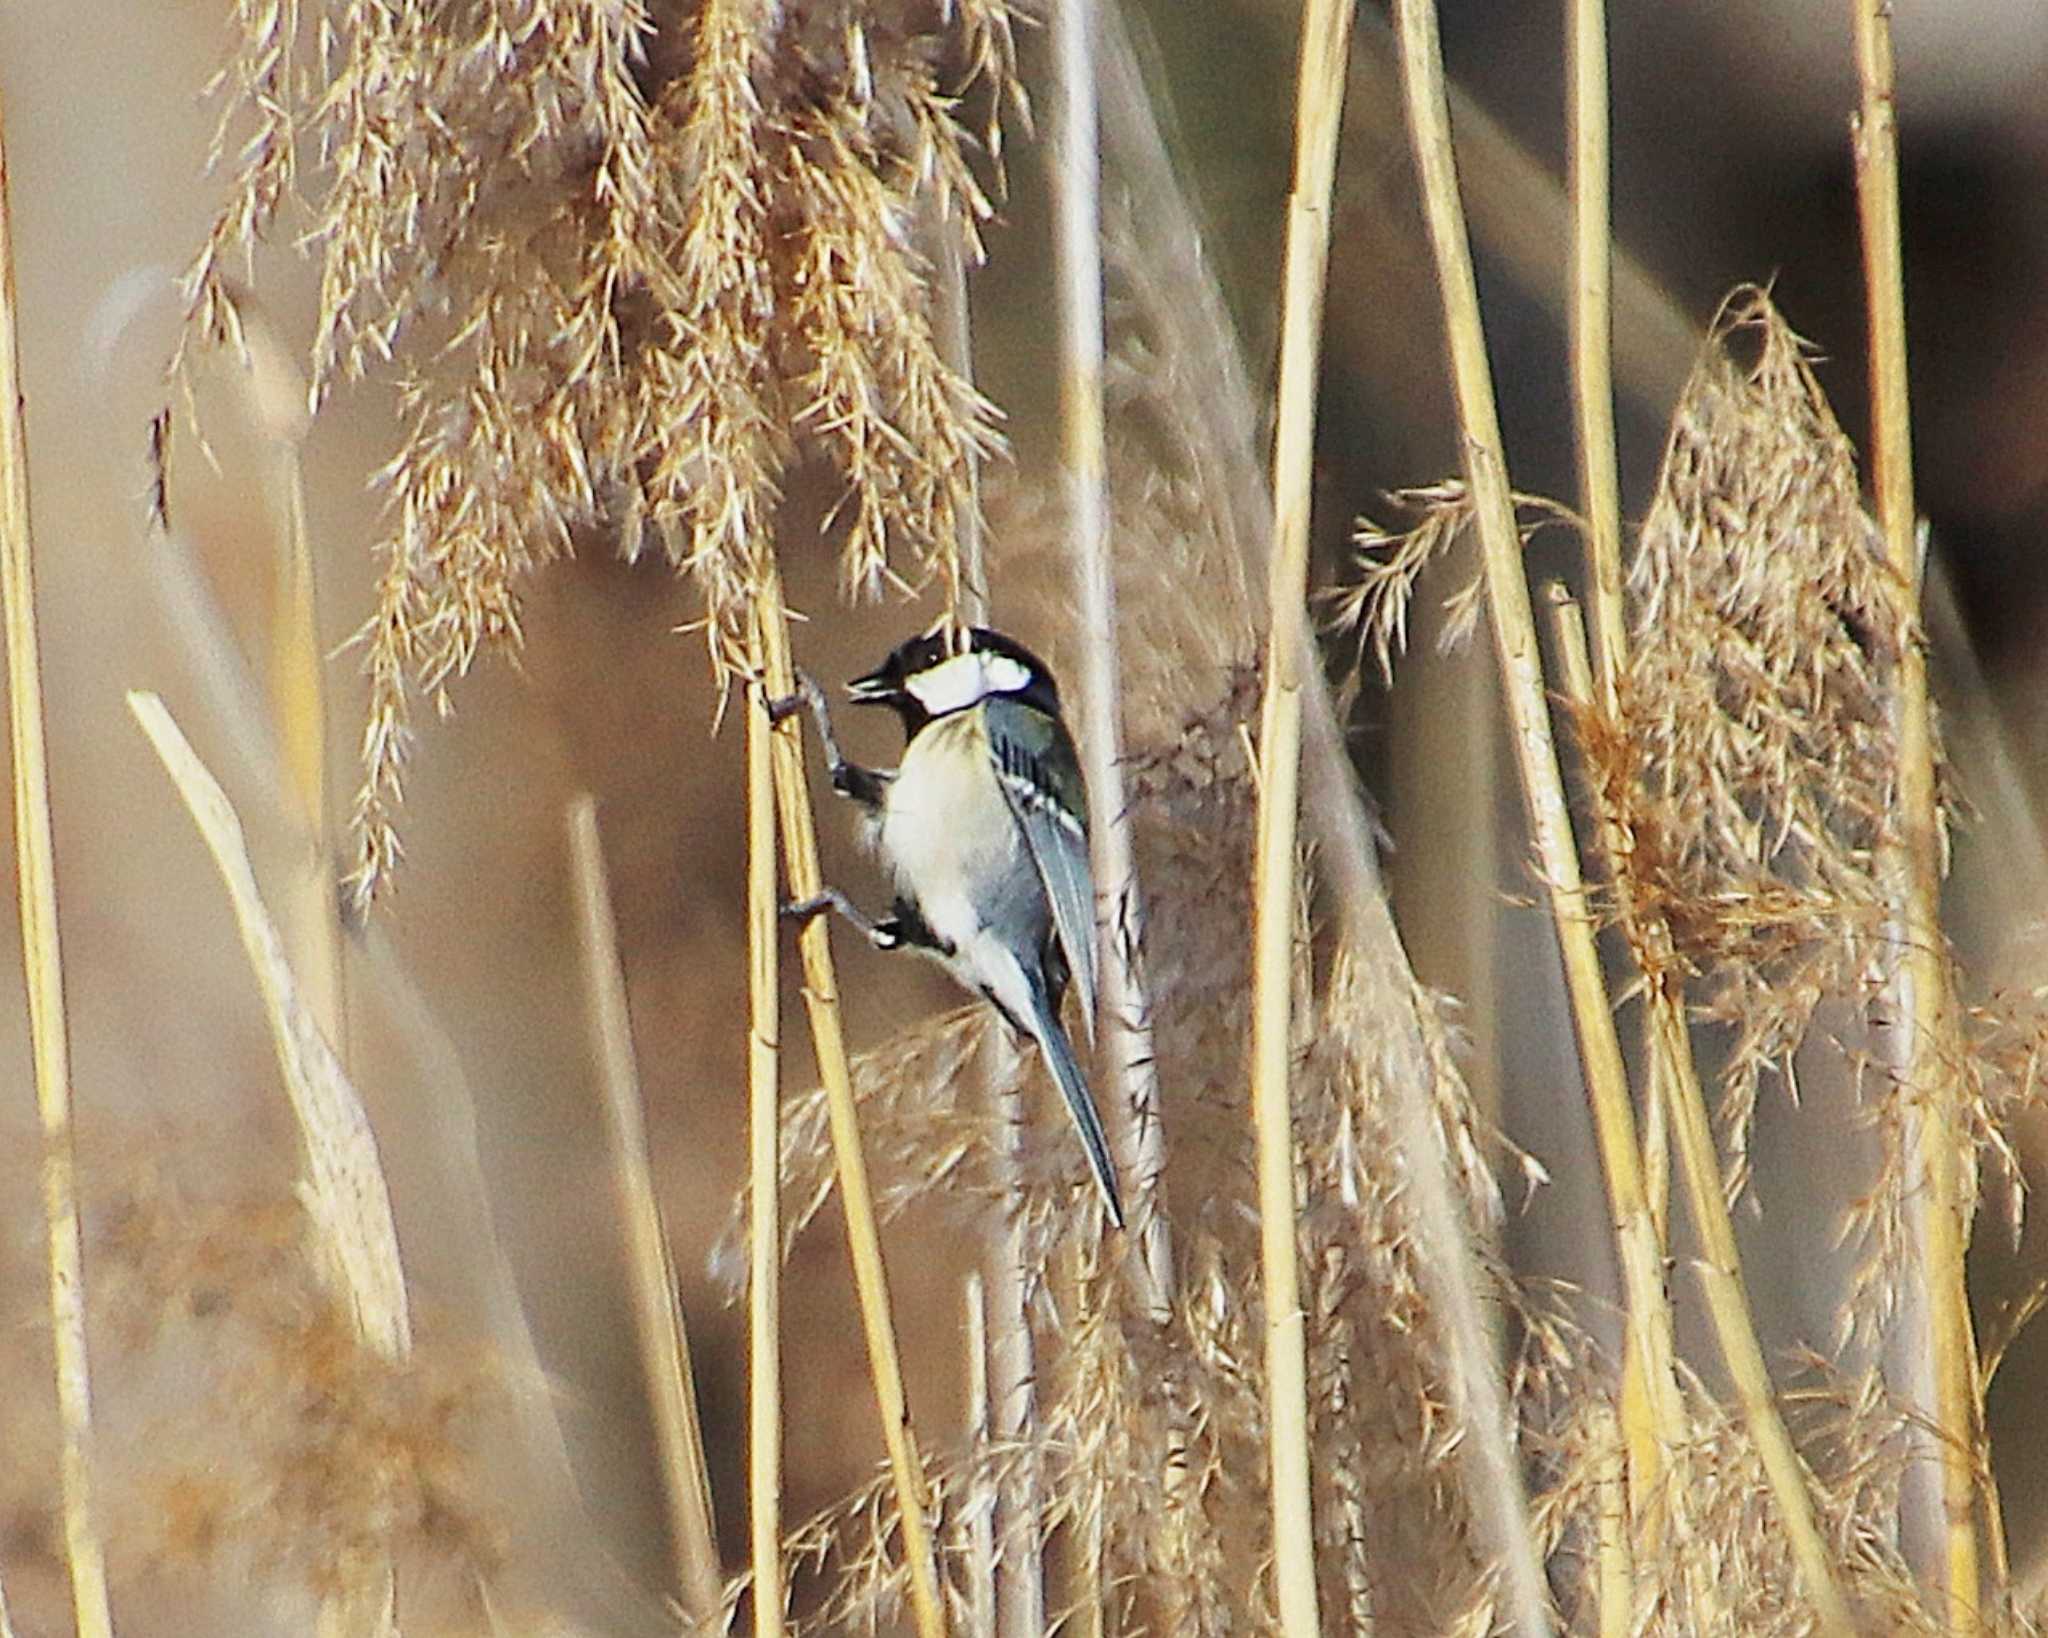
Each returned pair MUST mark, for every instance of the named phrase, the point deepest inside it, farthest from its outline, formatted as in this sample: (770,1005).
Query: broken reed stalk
(1126,1008)
(43,970)
(1676,1077)
(346,1199)
(764,1201)
(664,1341)
(1319,117)
(1648,1329)
(274,391)
(821,1003)
(1925,1008)
(1007,1353)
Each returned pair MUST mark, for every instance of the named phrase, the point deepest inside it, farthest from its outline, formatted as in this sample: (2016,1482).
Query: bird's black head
(934,675)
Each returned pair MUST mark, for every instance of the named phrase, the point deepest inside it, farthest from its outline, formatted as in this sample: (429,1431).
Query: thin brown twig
(821,1002)
(1319,110)
(1925,1010)
(43,970)
(664,1340)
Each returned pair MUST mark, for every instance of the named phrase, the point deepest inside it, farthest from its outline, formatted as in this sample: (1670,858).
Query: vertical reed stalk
(1120,917)
(1592,357)
(1319,116)
(821,1002)
(43,969)
(1648,1319)
(764,1224)
(658,1318)
(1924,1016)
(1008,1355)
(1592,339)
(981,1500)
(1676,1079)
(1614,1568)
(1340,828)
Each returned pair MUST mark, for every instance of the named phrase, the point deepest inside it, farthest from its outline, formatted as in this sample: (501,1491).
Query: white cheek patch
(966,679)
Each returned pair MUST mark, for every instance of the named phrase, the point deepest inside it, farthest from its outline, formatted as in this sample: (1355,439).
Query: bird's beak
(873,689)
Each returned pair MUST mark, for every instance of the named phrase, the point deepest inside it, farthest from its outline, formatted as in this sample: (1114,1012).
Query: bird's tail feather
(1058,1051)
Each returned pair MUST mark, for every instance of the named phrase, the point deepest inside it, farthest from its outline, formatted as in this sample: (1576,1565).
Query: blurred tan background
(1732,164)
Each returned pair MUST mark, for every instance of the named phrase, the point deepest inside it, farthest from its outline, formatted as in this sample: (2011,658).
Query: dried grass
(627,270)
(623,276)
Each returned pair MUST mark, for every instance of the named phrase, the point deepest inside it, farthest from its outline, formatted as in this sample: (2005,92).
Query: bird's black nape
(888,683)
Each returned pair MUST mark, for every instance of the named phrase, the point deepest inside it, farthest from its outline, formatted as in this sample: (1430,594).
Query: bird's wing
(1041,778)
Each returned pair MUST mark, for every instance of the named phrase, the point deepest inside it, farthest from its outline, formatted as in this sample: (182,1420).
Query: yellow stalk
(1660,1414)
(1007,1356)
(1614,1568)
(764,1226)
(821,1002)
(1126,1009)
(1676,1079)
(1592,338)
(981,1500)
(1319,114)
(1925,1016)
(1591,293)
(658,1317)
(43,970)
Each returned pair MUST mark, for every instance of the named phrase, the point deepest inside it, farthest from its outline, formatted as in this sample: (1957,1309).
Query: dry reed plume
(630,269)
(622,272)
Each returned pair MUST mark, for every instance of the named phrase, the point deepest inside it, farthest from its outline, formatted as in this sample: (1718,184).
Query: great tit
(983,828)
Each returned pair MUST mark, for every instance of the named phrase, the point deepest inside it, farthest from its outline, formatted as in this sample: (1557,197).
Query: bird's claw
(806,693)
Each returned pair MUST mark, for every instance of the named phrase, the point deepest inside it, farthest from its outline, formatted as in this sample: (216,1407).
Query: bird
(983,831)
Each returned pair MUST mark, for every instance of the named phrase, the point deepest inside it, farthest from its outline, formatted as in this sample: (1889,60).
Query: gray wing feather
(1033,754)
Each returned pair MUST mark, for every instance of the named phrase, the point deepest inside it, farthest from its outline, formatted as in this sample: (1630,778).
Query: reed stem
(43,970)
(664,1341)
(1648,1318)
(821,1003)
(1319,114)
(1016,1563)
(1924,1014)
(764,1224)
(1675,1079)
(1120,917)
(1592,340)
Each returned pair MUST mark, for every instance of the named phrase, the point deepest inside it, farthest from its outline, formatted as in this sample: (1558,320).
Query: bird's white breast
(946,831)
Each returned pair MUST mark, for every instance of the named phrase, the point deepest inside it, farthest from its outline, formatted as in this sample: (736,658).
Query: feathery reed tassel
(1938,1308)
(1319,110)
(1676,1076)
(43,968)
(821,1001)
